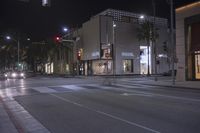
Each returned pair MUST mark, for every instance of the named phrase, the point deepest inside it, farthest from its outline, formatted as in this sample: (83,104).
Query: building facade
(188,42)
(110,46)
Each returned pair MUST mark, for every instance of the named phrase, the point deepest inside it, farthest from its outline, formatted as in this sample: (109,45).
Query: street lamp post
(172,40)
(154,40)
(114,49)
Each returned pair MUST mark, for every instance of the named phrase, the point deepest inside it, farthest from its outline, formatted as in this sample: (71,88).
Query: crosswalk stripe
(44,89)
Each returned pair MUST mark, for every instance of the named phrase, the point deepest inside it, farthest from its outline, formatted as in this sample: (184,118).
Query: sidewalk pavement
(6,125)
(167,82)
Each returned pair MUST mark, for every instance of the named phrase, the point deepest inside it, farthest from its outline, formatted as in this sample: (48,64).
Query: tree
(146,33)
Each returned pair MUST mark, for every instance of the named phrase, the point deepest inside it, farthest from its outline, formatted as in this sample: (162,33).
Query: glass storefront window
(197,64)
(102,67)
(128,66)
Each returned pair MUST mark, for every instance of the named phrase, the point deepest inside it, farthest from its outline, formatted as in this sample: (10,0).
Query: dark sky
(42,22)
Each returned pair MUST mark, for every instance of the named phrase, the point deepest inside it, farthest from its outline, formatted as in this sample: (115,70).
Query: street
(100,105)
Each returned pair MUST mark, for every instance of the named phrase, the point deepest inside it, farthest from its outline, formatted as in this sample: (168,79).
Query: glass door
(197,64)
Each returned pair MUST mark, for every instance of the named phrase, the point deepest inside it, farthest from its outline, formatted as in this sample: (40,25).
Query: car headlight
(22,74)
(14,75)
(5,75)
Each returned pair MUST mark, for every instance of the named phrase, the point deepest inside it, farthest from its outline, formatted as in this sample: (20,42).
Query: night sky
(43,22)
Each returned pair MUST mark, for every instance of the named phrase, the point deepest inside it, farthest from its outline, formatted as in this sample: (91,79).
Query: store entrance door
(197,65)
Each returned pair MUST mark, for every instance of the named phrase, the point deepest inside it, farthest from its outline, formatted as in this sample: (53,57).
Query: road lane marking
(106,114)
(136,94)
(44,89)
(72,87)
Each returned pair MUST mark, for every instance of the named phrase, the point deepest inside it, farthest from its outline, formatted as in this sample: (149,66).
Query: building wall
(91,39)
(163,56)
(181,14)
(99,31)
(126,42)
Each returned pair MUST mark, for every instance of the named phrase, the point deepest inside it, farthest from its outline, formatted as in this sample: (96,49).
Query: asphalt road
(90,105)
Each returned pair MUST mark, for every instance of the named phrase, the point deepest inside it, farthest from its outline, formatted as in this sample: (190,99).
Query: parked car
(3,76)
(15,74)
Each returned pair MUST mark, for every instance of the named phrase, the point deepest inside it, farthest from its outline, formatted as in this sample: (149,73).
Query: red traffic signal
(57,39)
(79,55)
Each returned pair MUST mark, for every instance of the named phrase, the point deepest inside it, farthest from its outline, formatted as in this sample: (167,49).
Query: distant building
(188,42)
(110,45)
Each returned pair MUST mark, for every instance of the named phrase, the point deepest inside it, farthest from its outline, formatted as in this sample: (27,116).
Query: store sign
(127,54)
(95,54)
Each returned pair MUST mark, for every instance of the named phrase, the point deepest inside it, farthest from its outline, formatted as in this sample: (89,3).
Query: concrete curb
(173,86)
(22,120)
(8,125)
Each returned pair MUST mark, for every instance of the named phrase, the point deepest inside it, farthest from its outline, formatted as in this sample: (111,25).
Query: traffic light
(57,39)
(79,55)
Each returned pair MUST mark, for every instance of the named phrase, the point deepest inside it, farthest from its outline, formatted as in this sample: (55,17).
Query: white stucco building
(188,42)
(110,45)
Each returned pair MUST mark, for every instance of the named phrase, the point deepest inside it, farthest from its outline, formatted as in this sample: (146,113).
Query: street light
(141,16)
(114,49)
(65,29)
(172,40)
(8,37)
(18,46)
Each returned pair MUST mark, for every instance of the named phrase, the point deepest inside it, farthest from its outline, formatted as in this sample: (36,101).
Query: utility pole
(172,40)
(154,38)
(18,47)
(114,49)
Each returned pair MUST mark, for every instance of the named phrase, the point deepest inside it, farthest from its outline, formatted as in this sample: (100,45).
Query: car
(3,76)
(15,74)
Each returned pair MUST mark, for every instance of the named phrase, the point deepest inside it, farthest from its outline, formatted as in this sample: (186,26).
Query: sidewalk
(6,125)
(167,81)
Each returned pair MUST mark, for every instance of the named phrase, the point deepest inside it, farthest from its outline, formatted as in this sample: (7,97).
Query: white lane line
(72,87)
(106,114)
(136,94)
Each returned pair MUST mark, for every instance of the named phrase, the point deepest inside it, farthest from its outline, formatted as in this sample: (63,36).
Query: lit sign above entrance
(127,54)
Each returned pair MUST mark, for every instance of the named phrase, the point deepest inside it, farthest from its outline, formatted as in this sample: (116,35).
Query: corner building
(188,42)
(110,45)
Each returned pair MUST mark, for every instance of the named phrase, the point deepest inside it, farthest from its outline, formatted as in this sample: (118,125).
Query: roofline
(188,6)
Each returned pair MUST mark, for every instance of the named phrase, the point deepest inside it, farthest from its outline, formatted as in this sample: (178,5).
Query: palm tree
(8,55)
(146,33)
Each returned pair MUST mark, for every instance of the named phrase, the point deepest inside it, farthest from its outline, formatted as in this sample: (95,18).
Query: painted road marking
(106,114)
(44,89)
(136,94)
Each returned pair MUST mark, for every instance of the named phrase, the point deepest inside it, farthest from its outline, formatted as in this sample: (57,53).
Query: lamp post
(172,40)
(114,47)
(18,47)
(154,38)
